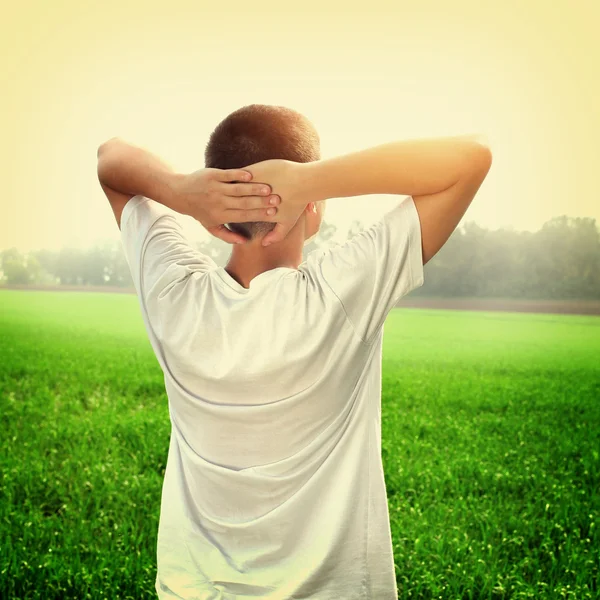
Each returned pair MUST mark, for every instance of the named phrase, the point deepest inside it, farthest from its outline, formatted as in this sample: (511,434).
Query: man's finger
(235,175)
(251,202)
(234,215)
(221,232)
(246,189)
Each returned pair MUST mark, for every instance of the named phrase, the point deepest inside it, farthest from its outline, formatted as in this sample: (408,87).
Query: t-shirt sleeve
(374,269)
(160,257)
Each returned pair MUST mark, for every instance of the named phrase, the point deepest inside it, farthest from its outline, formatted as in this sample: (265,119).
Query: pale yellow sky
(163,74)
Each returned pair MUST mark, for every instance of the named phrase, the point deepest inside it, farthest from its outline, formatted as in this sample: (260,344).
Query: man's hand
(294,183)
(215,197)
(212,196)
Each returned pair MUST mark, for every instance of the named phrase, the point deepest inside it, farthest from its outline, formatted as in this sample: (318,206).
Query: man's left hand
(218,196)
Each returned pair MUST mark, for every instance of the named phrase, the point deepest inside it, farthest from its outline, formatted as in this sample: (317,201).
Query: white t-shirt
(274,484)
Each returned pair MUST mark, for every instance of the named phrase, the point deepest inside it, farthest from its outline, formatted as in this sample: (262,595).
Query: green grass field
(491,441)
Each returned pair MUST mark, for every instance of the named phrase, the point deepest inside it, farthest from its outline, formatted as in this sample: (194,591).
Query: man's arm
(441,212)
(441,174)
(125,171)
(211,196)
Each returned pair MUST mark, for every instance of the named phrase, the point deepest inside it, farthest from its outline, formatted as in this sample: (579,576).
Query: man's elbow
(479,159)
(484,153)
(106,158)
(102,148)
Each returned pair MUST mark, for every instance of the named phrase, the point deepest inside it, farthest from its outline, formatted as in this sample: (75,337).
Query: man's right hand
(288,179)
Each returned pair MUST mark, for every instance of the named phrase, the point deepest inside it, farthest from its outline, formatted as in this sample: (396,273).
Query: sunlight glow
(163,78)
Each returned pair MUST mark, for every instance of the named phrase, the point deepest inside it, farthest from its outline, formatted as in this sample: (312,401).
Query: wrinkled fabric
(274,485)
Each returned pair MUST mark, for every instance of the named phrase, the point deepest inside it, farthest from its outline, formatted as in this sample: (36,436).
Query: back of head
(260,132)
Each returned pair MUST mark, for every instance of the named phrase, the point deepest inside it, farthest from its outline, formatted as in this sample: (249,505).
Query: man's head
(261,132)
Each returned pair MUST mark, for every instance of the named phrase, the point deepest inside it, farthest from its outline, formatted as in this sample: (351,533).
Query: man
(274,485)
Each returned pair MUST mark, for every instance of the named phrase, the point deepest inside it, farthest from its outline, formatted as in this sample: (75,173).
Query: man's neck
(251,259)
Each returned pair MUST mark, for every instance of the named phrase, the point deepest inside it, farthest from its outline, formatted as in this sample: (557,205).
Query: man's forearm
(406,167)
(132,170)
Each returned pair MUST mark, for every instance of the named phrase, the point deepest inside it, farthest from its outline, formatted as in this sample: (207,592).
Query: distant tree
(566,253)
(14,267)
(68,266)
(323,240)
(93,263)
(326,234)
(47,260)
(560,260)
(355,227)
(117,270)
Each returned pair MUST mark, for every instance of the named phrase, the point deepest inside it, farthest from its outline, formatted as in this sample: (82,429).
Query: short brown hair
(260,132)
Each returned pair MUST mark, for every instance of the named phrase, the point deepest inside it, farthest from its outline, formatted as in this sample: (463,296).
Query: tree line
(559,261)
